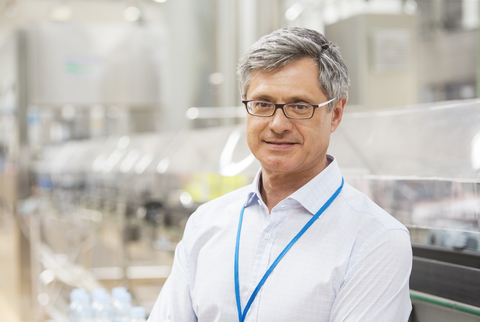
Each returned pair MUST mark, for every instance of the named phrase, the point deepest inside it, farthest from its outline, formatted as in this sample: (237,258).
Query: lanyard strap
(241,316)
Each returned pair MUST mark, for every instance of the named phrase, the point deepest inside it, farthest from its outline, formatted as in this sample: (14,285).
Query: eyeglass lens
(291,110)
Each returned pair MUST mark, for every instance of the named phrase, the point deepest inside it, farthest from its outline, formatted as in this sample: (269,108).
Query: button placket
(266,240)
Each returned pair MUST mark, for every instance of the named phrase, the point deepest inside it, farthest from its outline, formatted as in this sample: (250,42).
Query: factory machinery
(110,211)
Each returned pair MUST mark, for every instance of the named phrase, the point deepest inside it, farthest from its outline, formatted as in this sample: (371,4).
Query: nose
(279,123)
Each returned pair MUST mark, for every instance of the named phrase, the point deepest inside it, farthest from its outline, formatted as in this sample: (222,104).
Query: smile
(280,145)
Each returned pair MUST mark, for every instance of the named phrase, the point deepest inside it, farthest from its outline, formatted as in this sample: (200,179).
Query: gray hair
(289,44)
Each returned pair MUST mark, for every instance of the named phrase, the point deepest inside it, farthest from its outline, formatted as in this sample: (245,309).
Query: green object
(451,305)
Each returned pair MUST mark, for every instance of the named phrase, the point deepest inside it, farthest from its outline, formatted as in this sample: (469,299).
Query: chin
(278,167)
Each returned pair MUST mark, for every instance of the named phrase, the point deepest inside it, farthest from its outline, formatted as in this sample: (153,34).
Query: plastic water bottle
(121,304)
(79,309)
(101,306)
(138,314)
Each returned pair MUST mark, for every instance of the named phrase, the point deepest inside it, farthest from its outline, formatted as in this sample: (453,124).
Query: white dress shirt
(352,264)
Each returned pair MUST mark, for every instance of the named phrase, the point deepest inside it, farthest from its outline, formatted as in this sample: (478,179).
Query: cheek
(314,138)
(252,133)
(250,142)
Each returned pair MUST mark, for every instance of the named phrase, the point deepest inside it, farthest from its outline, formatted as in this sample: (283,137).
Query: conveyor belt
(449,274)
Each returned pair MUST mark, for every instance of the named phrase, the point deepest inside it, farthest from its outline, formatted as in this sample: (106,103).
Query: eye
(299,110)
(300,107)
(262,105)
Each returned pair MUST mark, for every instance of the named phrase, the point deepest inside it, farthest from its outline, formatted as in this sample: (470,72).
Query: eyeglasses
(291,110)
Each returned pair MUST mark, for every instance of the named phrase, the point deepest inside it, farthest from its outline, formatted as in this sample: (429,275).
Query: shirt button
(267,236)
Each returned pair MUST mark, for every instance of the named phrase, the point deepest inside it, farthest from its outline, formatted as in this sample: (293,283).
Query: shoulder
(367,224)
(361,207)
(371,229)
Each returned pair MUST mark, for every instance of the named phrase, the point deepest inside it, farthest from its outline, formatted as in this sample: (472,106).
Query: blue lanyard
(241,316)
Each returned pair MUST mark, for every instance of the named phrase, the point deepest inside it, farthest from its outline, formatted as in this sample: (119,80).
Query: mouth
(280,144)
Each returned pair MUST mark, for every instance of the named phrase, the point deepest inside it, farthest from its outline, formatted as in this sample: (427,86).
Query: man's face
(289,146)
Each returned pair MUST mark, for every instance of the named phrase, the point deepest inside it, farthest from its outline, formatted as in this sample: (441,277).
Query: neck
(275,186)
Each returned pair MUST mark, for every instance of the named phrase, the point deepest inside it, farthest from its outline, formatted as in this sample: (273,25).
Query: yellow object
(204,187)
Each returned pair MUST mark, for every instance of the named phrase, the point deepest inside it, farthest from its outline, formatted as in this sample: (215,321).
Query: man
(298,244)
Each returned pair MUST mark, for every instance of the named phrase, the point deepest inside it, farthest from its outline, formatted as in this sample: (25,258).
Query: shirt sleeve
(376,284)
(174,302)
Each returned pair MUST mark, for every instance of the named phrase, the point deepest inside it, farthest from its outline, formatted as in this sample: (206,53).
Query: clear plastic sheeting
(179,169)
(440,141)
(218,150)
(205,164)
(421,164)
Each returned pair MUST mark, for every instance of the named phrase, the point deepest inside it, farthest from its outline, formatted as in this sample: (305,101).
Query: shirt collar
(254,192)
(313,195)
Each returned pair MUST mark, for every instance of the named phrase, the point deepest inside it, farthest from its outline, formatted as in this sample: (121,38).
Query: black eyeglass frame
(277,106)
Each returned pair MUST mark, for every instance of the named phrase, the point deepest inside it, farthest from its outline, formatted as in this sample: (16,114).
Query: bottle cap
(121,294)
(138,312)
(123,297)
(117,290)
(100,295)
(79,295)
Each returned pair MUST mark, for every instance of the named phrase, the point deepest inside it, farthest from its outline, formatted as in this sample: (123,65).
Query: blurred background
(118,118)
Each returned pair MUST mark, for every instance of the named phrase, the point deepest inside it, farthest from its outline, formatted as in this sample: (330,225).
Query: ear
(337,114)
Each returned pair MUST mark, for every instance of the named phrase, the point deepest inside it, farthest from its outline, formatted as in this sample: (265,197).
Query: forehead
(298,78)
